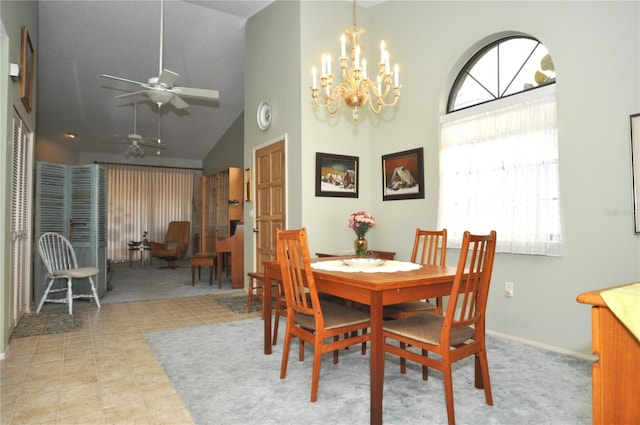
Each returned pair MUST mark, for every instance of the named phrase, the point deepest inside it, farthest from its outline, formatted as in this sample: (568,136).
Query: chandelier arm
(329,100)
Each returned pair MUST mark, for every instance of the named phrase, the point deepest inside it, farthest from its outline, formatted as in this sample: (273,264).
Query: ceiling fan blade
(201,93)
(112,142)
(131,94)
(122,79)
(167,78)
(177,102)
(154,144)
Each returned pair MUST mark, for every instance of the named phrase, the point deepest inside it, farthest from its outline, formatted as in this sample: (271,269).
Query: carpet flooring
(223,377)
(156,281)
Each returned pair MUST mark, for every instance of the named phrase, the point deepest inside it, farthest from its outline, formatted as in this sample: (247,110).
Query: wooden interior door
(270,199)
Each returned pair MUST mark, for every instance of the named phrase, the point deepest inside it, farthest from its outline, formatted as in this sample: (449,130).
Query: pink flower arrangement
(361,222)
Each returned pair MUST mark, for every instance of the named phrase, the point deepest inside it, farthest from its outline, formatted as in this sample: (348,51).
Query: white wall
(13,15)
(272,73)
(596,49)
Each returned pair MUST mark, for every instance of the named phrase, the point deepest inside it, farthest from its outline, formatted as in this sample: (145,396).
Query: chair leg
(95,293)
(483,366)
(315,374)
(250,295)
(44,296)
(448,391)
(425,369)
(285,353)
(364,344)
(70,295)
(276,322)
(403,361)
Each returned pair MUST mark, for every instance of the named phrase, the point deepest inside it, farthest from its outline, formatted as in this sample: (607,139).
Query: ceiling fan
(160,89)
(137,142)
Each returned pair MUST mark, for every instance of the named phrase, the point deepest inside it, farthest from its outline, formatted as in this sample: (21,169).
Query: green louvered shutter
(72,200)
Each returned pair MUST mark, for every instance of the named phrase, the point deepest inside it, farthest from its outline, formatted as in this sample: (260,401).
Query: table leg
(266,310)
(193,275)
(377,358)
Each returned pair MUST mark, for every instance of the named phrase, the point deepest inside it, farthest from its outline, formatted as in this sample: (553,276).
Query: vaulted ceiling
(79,40)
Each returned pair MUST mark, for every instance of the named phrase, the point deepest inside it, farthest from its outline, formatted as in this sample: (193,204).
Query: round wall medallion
(264,115)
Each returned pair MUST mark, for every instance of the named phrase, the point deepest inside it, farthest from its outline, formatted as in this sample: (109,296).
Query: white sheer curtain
(143,198)
(499,170)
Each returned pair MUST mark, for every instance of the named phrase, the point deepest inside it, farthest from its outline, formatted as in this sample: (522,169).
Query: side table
(144,248)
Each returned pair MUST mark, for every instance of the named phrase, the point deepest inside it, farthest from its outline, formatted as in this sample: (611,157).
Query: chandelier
(356,89)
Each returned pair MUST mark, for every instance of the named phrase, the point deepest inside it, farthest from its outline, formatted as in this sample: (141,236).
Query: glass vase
(360,245)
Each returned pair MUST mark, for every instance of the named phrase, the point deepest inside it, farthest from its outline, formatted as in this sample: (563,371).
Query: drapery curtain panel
(499,170)
(143,198)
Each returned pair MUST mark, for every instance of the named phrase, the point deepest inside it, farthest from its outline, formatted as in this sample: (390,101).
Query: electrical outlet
(508,289)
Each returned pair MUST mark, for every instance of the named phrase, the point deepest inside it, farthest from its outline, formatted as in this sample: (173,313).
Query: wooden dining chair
(429,248)
(307,319)
(461,331)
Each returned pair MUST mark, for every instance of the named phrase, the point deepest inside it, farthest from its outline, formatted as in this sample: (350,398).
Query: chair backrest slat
(297,277)
(468,298)
(430,247)
(56,252)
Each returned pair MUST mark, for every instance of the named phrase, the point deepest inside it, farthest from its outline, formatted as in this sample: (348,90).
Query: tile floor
(105,373)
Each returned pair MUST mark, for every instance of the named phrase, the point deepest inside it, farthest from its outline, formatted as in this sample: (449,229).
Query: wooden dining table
(375,290)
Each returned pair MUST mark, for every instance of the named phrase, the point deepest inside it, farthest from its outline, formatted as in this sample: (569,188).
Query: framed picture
(635,162)
(403,175)
(336,175)
(27,66)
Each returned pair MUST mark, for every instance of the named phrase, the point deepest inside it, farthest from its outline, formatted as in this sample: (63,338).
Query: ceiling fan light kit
(137,142)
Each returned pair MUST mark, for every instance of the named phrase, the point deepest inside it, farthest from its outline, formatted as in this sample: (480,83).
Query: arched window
(499,149)
(503,68)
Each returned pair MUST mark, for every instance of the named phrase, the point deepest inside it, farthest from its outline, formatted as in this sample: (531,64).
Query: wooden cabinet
(221,200)
(616,372)
(221,223)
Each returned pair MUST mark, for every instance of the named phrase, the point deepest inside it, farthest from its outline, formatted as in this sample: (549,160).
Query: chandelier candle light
(356,89)
(361,222)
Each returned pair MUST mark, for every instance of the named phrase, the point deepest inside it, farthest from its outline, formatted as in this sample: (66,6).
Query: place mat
(389,266)
(624,302)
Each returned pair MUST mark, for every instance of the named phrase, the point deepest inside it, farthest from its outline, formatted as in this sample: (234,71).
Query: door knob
(255,230)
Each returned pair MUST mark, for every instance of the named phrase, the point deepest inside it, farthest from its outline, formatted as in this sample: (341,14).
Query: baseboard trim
(543,346)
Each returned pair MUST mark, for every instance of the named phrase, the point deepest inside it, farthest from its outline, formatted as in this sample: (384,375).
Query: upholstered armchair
(175,243)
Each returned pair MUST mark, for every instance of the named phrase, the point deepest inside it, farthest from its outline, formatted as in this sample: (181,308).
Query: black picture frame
(337,175)
(403,175)
(27,66)
(634,122)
